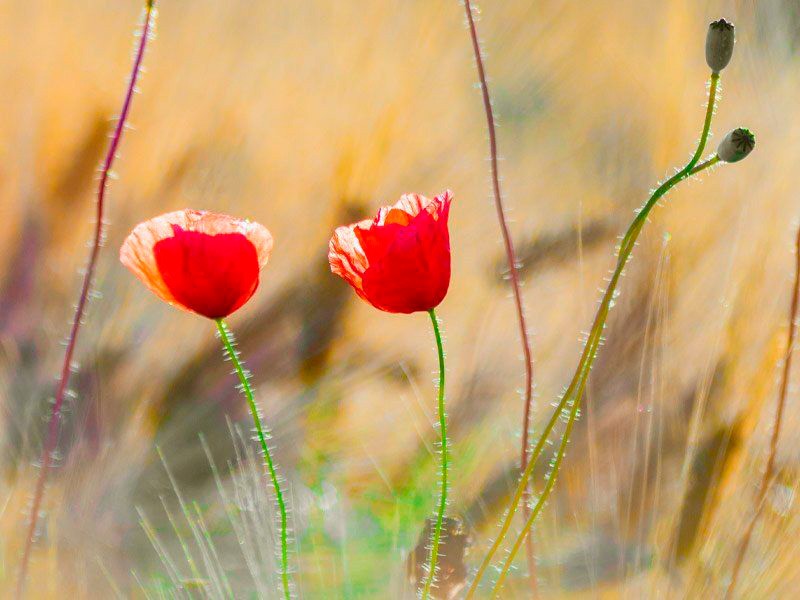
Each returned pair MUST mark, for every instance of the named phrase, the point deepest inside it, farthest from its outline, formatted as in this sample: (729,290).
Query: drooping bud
(719,44)
(736,145)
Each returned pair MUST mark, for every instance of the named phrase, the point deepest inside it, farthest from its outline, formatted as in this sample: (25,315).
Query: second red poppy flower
(399,261)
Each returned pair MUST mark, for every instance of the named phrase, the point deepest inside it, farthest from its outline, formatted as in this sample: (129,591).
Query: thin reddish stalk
(51,440)
(769,470)
(514,277)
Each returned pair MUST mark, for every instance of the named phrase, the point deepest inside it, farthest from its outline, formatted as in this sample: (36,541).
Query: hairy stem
(228,341)
(572,398)
(710,162)
(769,469)
(574,392)
(54,425)
(437,530)
(513,275)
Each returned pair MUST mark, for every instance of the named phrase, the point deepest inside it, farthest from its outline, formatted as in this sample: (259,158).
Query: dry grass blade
(769,469)
(51,439)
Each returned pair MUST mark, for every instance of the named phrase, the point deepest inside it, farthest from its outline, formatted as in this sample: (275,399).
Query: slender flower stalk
(229,343)
(706,164)
(570,400)
(513,272)
(54,425)
(769,469)
(437,530)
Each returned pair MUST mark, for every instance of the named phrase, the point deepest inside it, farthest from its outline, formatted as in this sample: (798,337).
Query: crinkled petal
(399,261)
(346,256)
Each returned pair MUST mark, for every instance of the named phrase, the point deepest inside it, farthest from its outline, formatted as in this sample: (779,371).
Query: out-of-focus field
(307,115)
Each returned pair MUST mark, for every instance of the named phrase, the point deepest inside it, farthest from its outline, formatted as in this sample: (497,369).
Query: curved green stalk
(574,392)
(576,388)
(228,341)
(710,162)
(437,530)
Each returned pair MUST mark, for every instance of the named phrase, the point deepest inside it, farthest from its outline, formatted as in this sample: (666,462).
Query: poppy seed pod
(719,44)
(736,145)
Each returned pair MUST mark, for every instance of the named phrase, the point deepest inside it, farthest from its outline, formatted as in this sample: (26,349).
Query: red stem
(769,470)
(514,276)
(51,440)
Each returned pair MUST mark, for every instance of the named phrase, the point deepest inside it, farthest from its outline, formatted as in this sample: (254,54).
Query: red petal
(409,267)
(212,275)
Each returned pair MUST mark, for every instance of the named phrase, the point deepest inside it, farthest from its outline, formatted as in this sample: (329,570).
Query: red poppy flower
(199,261)
(400,260)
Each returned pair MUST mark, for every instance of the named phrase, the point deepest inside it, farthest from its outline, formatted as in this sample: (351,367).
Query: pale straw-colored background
(307,115)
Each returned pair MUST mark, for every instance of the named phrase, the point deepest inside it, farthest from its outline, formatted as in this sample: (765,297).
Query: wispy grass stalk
(777,424)
(513,273)
(213,579)
(110,579)
(187,553)
(570,400)
(239,530)
(169,564)
(211,556)
(203,543)
(54,425)
(252,527)
(141,585)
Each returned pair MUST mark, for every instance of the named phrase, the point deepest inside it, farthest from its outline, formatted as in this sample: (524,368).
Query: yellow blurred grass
(283,113)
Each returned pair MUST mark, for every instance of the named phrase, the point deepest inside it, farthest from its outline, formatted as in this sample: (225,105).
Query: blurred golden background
(304,116)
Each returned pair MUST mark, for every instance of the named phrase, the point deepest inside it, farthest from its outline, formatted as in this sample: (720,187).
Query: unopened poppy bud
(719,45)
(736,145)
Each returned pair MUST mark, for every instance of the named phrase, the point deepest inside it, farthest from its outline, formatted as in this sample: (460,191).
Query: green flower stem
(574,392)
(437,530)
(705,164)
(228,341)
